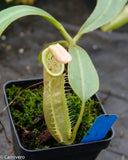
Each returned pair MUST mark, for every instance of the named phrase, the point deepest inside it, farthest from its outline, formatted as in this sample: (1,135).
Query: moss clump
(91,113)
(27,113)
(27,109)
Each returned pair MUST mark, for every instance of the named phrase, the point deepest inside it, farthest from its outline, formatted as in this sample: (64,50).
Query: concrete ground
(21,44)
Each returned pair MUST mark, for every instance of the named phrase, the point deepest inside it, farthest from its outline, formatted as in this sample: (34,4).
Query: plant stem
(78,122)
(65,33)
(62,30)
(76,38)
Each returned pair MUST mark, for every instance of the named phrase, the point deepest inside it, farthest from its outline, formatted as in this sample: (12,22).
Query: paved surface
(19,49)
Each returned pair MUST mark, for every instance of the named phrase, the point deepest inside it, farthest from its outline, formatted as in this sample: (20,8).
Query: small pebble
(21,50)
(8,47)
(22,34)
(123,157)
(95,47)
(28,67)
(121,134)
(3,37)
(10,151)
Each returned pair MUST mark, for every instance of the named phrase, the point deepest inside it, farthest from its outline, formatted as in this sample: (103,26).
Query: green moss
(90,114)
(27,107)
(27,113)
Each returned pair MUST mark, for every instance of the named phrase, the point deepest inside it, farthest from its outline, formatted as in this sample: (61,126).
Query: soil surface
(22,42)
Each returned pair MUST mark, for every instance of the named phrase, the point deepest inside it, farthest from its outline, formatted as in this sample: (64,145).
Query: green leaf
(120,20)
(83,77)
(11,14)
(104,12)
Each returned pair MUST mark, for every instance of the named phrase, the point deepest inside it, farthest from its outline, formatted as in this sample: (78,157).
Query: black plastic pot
(87,151)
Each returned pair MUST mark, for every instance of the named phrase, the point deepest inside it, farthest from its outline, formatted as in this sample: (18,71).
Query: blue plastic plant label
(100,128)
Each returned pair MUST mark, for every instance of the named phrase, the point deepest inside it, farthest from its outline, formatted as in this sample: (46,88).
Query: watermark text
(11,157)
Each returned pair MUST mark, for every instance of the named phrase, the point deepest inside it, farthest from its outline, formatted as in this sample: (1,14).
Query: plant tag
(100,128)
